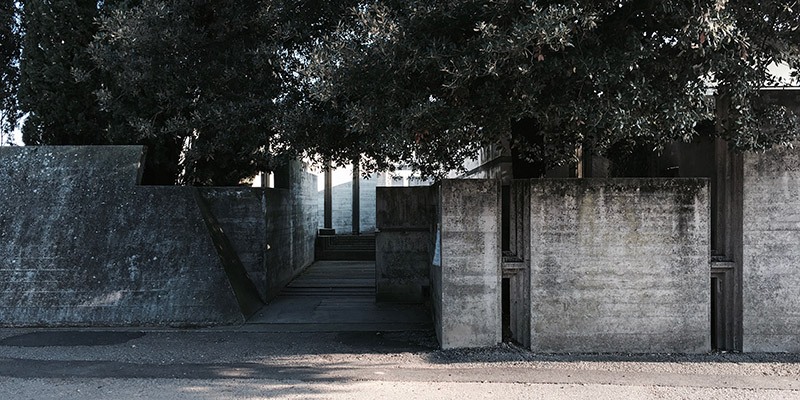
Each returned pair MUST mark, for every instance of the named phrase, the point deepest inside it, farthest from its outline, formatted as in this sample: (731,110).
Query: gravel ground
(44,364)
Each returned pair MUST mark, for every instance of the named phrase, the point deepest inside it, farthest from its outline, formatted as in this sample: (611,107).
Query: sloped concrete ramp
(337,296)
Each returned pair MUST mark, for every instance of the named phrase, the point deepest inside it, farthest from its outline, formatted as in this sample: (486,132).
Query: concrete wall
(771,248)
(342,207)
(405,219)
(82,245)
(619,265)
(467,285)
(291,228)
(240,214)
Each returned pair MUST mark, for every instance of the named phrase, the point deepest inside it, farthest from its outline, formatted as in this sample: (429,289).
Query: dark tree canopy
(203,79)
(432,81)
(58,79)
(9,71)
(219,90)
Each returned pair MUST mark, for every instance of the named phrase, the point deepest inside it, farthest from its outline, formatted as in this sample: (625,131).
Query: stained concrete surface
(226,363)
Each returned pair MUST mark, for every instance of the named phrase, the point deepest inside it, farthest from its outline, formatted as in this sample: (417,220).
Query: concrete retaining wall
(771,248)
(82,244)
(405,219)
(619,265)
(240,214)
(467,285)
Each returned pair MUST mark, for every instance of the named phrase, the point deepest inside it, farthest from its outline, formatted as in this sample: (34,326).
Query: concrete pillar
(356,198)
(328,205)
(467,280)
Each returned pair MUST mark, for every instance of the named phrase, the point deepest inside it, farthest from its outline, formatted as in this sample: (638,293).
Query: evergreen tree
(9,70)
(204,78)
(58,79)
(432,81)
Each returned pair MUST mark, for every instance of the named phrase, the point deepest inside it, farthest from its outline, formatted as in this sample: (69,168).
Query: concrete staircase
(337,296)
(345,247)
(335,278)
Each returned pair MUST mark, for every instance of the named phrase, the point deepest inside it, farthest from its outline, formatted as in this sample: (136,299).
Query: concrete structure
(771,247)
(342,206)
(618,265)
(405,226)
(83,244)
(465,273)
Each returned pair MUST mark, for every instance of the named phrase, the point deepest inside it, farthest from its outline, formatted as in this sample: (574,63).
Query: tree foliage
(9,70)
(57,77)
(431,81)
(204,78)
(219,90)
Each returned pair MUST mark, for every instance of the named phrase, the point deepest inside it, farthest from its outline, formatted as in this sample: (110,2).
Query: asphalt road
(233,364)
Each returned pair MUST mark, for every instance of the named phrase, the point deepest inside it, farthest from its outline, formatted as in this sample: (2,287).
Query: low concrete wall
(619,265)
(467,285)
(83,245)
(771,247)
(405,221)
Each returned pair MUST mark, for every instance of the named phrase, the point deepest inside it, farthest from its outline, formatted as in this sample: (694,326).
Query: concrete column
(328,205)
(467,292)
(356,198)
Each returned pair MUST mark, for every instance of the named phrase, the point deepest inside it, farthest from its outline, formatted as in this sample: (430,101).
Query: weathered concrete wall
(405,221)
(467,286)
(291,229)
(619,265)
(771,249)
(342,207)
(240,213)
(81,244)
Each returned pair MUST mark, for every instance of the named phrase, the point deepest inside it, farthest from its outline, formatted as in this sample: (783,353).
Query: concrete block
(403,241)
(467,285)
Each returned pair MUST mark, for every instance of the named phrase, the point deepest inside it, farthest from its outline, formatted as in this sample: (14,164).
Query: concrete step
(346,247)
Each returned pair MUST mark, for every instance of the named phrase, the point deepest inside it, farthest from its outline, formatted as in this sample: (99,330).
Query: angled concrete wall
(405,219)
(619,265)
(467,281)
(83,245)
(240,215)
(771,248)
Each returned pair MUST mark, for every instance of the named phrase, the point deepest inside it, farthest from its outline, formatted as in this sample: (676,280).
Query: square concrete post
(467,295)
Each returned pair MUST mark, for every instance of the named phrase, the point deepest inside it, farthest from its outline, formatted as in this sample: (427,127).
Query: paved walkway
(337,296)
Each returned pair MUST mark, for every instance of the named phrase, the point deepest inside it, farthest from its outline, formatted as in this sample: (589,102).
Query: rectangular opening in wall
(505,206)
(506,301)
